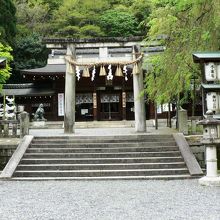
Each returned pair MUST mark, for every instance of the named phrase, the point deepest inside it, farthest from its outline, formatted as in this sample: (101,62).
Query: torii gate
(70,93)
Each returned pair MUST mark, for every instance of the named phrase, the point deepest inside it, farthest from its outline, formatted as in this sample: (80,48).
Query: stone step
(116,166)
(106,178)
(101,160)
(101,150)
(90,141)
(106,137)
(102,145)
(102,155)
(93,173)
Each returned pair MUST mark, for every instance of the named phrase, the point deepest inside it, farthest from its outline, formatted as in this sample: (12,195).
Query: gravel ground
(104,200)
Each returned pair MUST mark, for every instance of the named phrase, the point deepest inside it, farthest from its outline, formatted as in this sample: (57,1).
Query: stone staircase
(103,157)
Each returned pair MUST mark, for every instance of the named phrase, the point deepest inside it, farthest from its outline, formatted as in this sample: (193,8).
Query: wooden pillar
(70,93)
(139,104)
(94,96)
(124,105)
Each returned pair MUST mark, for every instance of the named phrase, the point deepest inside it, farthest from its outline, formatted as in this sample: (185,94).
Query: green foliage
(141,9)
(79,17)
(32,16)
(69,31)
(7,22)
(5,51)
(116,23)
(90,31)
(29,53)
(183,28)
(53,4)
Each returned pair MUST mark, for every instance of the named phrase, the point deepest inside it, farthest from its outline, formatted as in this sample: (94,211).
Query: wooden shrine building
(97,96)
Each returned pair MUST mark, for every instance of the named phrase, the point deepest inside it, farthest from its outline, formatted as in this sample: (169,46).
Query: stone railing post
(24,124)
(183,121)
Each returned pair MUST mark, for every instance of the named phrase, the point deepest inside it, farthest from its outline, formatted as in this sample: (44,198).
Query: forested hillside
(182,27)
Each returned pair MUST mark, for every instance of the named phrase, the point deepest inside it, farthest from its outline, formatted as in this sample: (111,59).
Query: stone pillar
(211,161)
(182,121)
(70,93)
(14,129)
(124,105)
(139,105)
(193,125)
(94,97)
(24,124)
(6,129)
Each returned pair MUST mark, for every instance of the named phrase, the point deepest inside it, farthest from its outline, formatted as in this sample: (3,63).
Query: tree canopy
(5,51)
(118,23)
(183,27)
(7,22)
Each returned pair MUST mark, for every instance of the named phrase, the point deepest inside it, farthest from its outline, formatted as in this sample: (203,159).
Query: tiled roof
(29,89)
(206,56)
(49,69)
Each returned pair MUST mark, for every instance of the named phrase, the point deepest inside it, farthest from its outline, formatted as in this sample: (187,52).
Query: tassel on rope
(86,72)
(69,68)
(135,69)
(102,71)
(118,71)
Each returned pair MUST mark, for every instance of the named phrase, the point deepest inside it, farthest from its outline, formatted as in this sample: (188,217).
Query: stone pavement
(108,200)
(101,131)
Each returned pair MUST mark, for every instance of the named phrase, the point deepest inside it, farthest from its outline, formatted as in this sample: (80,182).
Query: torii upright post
(139,105)
(70,92)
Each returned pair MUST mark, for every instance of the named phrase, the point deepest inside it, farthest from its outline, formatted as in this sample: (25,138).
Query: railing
(9,128)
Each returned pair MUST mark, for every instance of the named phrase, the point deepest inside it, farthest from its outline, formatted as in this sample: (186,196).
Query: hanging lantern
(135,69)
(118,71)
(102,71)
(86,72)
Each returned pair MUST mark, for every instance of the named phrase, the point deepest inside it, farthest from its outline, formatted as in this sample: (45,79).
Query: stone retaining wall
(6,152)
(197,148)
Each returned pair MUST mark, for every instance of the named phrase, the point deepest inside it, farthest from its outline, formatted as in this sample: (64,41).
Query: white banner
(60,104)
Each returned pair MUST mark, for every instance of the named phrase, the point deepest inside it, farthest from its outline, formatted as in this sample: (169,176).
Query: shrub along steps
(108,157)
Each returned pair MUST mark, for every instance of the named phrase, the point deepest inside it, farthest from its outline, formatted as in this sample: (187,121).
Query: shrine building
(104,71)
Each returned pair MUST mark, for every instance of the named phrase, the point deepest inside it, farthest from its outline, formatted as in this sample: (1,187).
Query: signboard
(84,111)
(60,104)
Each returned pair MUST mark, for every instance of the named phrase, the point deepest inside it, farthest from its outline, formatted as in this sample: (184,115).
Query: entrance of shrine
(109,106)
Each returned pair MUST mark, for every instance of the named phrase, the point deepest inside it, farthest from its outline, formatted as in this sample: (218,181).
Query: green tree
(183,27)
(141,9)
(117,23)
(53,4)
(79,17)
(5,51)
(7,21)
(29,53)
(32,17)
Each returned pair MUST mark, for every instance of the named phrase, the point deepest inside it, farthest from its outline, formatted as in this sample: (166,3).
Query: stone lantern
(211,140)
